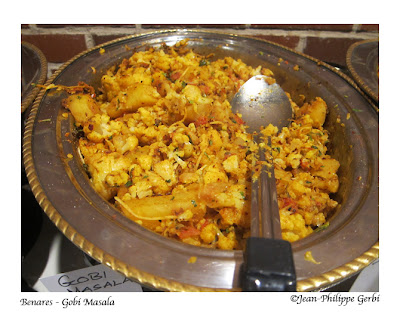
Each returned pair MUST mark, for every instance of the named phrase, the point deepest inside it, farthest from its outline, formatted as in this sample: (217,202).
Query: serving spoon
(268,260)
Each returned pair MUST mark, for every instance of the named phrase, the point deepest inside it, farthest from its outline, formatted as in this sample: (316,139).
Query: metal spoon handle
(265,221)
(268,263)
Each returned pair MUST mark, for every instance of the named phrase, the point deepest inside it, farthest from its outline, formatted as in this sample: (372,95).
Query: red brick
(331,50)
(288,41)
(57,48)
(369,27)
(100,39)
(311,27)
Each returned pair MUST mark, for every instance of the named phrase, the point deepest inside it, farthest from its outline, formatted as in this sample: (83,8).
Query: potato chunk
(132,99)
(82,107)
(328,169)
(163,207)
(317,110)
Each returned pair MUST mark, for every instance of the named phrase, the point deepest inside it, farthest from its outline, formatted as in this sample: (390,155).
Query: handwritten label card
(98,278)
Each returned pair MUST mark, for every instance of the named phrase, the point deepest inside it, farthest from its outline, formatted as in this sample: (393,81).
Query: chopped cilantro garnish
(204,62)
(128,184)
(322,227)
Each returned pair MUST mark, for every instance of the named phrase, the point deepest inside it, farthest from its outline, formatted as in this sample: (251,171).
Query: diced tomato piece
(288,202)
(239,119)
(204,89)
(305,165)
(206,222)
(187,232)
(175,75)
(202,120)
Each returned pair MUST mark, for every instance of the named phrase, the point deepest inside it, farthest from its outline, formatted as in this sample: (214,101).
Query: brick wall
(327,42)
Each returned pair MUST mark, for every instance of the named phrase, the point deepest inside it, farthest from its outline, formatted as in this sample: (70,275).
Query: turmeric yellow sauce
(162,144)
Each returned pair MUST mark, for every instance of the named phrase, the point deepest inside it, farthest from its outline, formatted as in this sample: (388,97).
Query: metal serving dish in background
(362,59)
(33,71)
(63,189)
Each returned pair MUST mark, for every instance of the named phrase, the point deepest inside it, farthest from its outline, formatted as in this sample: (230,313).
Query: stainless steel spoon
(260,104)
(268,262)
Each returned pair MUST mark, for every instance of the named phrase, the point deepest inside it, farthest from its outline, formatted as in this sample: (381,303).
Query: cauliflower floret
(208,233)
(146,117)
(143,188)
(185,216)
(135,170)
(130,143)
(123,144)
(294,160)
(215,173)
(166,170)
(97,128)
(270,130)
(227,243)
(158,184)
(233,216)
(182,142)
(117,179)
(145,161)
(101,165)
(293,226)
(231,164)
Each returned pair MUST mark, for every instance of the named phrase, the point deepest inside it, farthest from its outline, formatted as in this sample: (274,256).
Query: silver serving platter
(63,189)
(33,72)
(362,59)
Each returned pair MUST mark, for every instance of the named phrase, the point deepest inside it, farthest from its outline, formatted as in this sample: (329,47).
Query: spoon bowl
(261,102)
